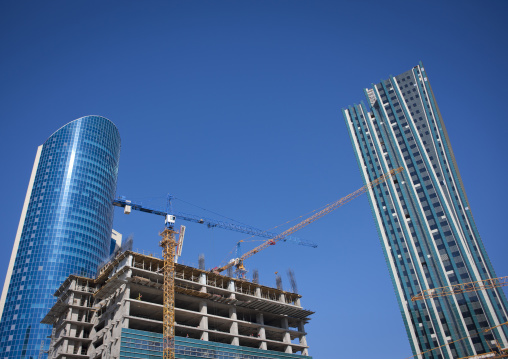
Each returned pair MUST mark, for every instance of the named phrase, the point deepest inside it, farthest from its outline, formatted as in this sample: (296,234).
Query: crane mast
(168,244)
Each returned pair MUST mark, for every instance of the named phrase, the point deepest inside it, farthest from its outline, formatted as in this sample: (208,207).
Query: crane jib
(210,223)
(329,208)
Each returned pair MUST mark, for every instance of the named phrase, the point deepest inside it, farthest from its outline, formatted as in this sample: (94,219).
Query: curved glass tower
(65,228)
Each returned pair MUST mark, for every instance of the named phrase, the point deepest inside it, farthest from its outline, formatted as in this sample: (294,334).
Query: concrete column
(204,336)
(282,298)
(232,288)
(203,307)
(203,324)
(65,345)
(287,336)
(261,332)
(260,319)
(234,326)
(303,338)
(202,280)
(297,303)
(127,312)
(257,292)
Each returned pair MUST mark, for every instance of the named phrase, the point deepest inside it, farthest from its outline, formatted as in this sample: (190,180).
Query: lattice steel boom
(461,288)
(239,261)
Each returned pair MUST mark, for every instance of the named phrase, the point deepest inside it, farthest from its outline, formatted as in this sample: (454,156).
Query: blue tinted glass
(67,227)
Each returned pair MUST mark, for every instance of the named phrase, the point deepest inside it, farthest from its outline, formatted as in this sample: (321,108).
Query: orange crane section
(331,207)
(461,288)
(495,353)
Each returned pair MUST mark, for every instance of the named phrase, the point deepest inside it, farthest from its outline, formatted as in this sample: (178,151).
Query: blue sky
(235,106)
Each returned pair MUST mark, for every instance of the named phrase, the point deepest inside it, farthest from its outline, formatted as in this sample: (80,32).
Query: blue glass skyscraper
(424,220)
(65,228)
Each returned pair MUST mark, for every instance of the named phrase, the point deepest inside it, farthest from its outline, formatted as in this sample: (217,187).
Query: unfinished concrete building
(118,314)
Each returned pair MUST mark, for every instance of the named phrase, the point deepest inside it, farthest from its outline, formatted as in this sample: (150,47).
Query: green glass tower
(424,220)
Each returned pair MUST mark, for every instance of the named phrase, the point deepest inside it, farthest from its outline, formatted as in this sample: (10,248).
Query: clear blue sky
(236,106)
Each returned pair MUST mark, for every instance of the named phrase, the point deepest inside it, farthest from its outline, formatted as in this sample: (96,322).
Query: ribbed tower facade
(424,219)
(65,228)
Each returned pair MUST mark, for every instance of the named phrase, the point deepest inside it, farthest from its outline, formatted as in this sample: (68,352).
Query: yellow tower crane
(238,262)
(168,244)
(171,250)
(461,288)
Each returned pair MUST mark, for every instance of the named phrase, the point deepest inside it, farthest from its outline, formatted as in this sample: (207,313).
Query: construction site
(254,180)
(141,306)
(120,314)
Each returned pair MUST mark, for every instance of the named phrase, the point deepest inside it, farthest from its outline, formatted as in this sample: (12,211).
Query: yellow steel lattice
(496,354)
(329,208)
(168,245)
(462,288)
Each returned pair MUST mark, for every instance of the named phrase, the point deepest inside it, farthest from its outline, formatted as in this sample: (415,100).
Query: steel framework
(168,244)
(495,353)
(210,223)
(461,288)
(170,247)
(331,207)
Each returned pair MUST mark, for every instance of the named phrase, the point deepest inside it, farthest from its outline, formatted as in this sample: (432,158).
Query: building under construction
(119,314)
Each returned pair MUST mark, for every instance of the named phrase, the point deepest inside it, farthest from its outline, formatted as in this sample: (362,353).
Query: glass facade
(147,345)
(65,228)
(424,220)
